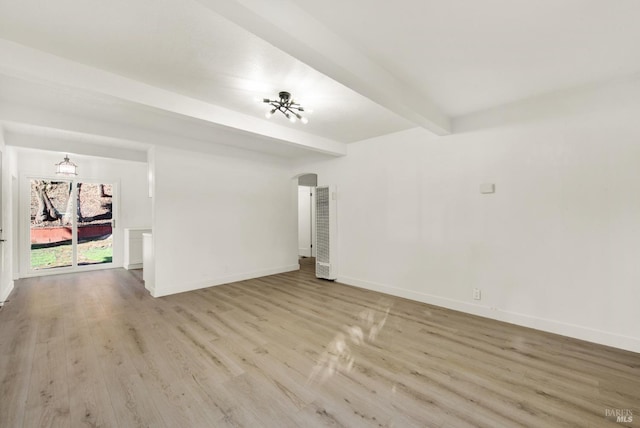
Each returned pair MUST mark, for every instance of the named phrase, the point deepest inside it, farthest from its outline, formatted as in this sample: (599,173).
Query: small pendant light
(66,167)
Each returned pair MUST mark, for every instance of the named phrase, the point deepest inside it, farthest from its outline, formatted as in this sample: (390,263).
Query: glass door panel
(94,217)
(51,224)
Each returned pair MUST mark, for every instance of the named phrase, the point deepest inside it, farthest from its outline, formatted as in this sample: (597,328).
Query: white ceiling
(190,70)
(470,55)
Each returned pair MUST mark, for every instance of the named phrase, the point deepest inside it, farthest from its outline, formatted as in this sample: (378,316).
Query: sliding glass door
(71,224)
(51,224)
(94,219)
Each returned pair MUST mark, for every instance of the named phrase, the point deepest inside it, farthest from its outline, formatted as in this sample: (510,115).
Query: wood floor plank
(127,389)
(94,349)
(48,399)
(168,390)
(16,362)
(89,400)
(259,403)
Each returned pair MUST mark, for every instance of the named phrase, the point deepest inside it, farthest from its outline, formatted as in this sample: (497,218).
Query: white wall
(220,217)
(555,248)
(132,205)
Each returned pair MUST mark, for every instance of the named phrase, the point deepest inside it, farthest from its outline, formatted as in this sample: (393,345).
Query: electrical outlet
(476,294)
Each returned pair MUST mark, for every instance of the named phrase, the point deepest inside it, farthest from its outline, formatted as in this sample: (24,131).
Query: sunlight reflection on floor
(338,356)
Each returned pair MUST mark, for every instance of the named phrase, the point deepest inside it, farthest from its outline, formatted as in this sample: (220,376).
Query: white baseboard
(6,292)
(150,286)
(65,270)
(571,330)
(133,266)
(222,280)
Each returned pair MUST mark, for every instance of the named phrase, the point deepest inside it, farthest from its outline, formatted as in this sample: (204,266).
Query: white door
(3,244)
(304,221)
(6,279)
(313,221)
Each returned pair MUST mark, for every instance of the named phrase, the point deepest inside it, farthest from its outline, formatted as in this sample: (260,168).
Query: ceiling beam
(289,28)
(53,143)
(26,63)
(28,118)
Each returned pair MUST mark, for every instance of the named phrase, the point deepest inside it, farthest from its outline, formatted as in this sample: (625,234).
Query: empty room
(244,213)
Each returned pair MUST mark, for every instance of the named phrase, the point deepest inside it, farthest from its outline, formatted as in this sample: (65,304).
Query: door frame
(25,225)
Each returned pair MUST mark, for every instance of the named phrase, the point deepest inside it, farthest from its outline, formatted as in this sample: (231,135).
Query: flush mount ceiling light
(66,167)
(286,106)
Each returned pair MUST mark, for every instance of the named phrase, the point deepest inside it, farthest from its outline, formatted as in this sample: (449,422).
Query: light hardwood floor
(94,349)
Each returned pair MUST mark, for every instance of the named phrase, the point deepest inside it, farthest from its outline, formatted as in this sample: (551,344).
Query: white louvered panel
(326,232)
(322,270)
(322,225)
